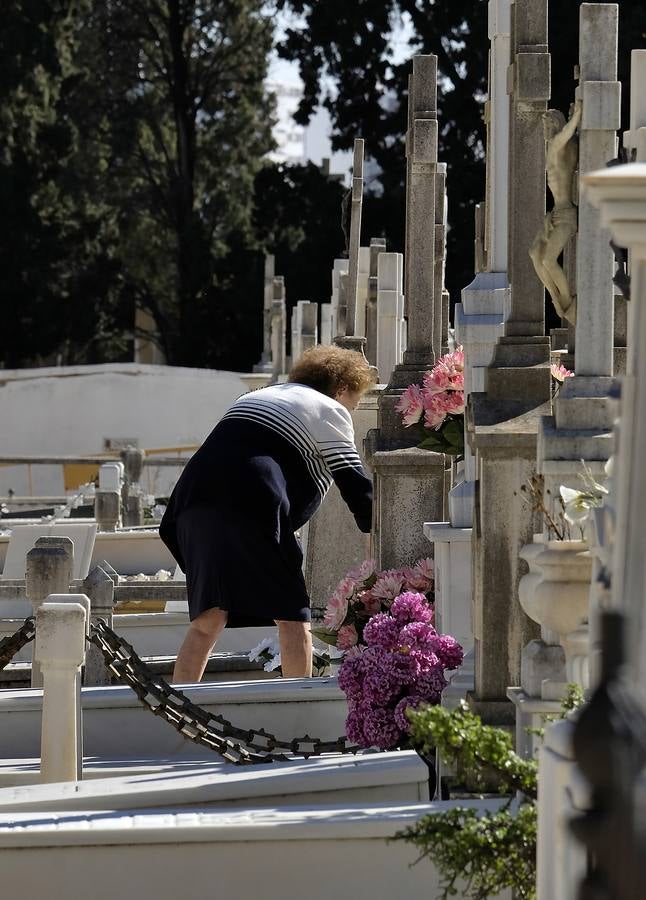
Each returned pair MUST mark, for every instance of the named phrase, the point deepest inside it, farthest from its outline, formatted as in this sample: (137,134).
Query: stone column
(620,194)
(48,570)
(132,495)
(422,172)
(600,93)
(390,311)
(107,499)
(99,588)
(334,543)
(265,364)
(59,650)
(635,137)
(440,318)
(278,327)
(409,484)
(304,327)
(503,421)
(327,332)
(338,314)
(377,247)
(352,323)
(582,422)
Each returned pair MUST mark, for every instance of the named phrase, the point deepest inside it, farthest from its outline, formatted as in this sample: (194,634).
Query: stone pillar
(503,421)
(132,495)
(304,327)
(390,312)
(377,247)
(409,484)
(107,509)
(338,316)
(421,162)
(278,327)
(600,93)
(327,334)
(265,364)
(99,587)
(529,89)
(635,137)
(59,651)
(408,490)
(620,194)
(440,318)
(334,543)
(581,426)
(352,325)
(48,570)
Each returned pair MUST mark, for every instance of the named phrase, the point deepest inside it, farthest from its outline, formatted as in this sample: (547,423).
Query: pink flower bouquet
(401,667)
(437,405)
(363,593)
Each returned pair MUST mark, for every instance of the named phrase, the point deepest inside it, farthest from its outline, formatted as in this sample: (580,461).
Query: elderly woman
(258,477)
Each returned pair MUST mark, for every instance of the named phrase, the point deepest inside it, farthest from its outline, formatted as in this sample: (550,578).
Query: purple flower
(380,728)
(449,651)
(410,702)
(351,677)
(418,635)
(354,727)
(382,631)
(411,607)
(431,685)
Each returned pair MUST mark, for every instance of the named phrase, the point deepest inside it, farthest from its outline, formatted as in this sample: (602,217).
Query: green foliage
(482,750)
(448,439)
(485,854)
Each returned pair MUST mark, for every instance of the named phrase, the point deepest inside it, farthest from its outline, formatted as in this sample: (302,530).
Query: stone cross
(278,326)
(529,87)
(338,315)
(265,363)
(377,246)
(304,327)
(352,325)
(390,313)
(600,93)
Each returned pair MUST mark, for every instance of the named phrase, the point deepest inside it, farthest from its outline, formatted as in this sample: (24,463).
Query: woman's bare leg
(295,640)
(202,634)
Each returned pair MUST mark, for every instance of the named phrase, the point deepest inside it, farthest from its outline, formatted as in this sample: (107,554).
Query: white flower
(267,645)
(273,663)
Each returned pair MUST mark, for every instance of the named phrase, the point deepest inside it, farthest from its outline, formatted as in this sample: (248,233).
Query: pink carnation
(410,405)
(371,604)
(363,571)
(560,373)
(388,585)
(337,606)
(347,637)
(421,576)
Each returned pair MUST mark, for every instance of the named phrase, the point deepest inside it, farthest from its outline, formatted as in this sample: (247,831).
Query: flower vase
(558,601)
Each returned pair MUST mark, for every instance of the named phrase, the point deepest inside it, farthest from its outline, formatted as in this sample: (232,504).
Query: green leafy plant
(491,851)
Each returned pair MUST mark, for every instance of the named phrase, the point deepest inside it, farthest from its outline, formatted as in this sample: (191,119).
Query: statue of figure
(561,222)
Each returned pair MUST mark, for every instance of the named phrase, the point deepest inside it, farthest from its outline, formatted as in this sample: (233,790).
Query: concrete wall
(75,409)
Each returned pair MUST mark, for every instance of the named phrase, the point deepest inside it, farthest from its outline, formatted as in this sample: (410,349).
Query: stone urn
(555,594)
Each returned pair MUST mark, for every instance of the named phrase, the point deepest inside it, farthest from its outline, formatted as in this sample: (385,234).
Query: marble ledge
(438,532)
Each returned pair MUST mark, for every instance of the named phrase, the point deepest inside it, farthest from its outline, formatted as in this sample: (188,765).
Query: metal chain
(237,745)
(9,646)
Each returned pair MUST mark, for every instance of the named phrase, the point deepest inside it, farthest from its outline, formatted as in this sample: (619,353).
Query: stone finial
(60,652)
(107,509)
(49,568)
(99,587)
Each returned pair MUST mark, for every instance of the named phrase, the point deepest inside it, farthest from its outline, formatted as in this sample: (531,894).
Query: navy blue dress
(258,477)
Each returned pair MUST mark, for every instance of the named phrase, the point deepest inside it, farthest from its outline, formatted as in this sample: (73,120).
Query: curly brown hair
(331,369)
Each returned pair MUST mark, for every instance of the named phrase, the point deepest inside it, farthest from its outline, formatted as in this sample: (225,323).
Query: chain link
(236,745)
(11,645)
